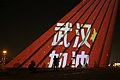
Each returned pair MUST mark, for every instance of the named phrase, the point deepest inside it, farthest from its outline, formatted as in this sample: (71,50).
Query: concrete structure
(81,38)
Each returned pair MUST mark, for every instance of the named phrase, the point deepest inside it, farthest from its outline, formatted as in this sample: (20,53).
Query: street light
(4,52)
(4,56)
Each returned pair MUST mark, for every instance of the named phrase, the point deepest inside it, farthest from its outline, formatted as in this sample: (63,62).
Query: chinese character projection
(82,38)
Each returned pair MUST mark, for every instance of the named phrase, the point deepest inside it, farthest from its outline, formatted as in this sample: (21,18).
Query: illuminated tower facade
(82,38)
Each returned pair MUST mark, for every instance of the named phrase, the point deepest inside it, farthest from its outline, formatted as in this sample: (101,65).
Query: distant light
(109,64)
(48,63)
(4,52)
(116,64)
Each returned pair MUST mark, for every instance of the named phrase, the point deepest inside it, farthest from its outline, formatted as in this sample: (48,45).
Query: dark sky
(23,22)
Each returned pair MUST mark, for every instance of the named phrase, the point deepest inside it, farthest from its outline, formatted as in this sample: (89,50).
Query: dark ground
(61,74)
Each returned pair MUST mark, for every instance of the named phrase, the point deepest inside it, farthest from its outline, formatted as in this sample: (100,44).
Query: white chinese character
(62,60)
(84,59)
(62,34)
(84,38)
(51,58)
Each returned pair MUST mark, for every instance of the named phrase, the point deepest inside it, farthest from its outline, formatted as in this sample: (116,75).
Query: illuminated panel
(81,37)
(106,48)
(96,48)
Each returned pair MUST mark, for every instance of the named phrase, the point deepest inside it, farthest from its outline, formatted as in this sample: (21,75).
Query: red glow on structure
(88,40)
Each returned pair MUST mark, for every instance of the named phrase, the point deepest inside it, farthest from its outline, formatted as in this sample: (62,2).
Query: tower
(84,34)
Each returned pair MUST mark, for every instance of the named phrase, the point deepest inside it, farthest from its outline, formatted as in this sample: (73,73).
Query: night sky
(23,22)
